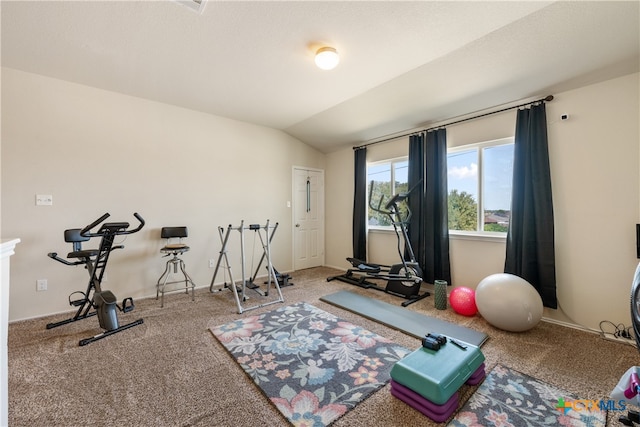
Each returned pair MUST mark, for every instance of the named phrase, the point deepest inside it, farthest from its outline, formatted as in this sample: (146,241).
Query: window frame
(391,163)
(479,233)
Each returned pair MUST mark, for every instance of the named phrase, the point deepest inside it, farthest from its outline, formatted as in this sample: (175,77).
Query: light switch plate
(44,200)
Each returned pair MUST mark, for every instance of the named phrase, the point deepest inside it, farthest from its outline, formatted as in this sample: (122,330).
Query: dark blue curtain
(436,213)
(417,181)
(530,250)
(360,204)
(429,228)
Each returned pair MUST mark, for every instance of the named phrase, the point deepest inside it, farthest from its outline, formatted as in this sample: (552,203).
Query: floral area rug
(508,398)
(313,366)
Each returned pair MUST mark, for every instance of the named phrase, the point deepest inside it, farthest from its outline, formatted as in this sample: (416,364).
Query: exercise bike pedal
(127,307)
(78,302)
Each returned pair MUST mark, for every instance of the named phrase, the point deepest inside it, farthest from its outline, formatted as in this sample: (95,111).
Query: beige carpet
(171,371)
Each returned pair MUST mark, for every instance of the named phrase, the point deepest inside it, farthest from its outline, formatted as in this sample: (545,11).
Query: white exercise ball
(509,302)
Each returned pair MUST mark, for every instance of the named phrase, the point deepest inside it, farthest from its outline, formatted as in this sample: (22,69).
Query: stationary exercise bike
(403,279)
(95,301)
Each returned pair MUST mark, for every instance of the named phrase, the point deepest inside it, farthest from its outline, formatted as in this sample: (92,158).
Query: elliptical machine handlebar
(378,208)
(391,207)
(118,228)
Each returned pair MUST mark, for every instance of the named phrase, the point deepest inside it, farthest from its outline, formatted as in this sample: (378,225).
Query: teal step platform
(402,319)
(437,375)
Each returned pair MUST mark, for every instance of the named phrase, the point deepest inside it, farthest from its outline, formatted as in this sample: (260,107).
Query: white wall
(594,160)
(97,151)
(338,208)
(595,173)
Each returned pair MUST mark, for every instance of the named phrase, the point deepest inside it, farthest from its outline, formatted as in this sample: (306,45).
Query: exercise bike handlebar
(54,255)
(119,228)
(140,223)
(85,231)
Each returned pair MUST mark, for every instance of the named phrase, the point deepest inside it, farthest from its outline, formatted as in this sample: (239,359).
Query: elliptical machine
(104,303)
(403,279)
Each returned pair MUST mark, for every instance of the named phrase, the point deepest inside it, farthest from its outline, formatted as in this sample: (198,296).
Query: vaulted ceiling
(403,65)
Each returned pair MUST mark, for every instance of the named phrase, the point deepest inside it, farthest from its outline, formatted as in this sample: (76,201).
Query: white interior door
(308,218)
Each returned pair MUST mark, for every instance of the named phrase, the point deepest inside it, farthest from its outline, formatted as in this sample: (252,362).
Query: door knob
(297,225)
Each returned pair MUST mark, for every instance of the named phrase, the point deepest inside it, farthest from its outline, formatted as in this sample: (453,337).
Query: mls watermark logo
(583,405)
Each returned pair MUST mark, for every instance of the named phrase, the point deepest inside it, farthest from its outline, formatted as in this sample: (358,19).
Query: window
(480,178)
(385,179)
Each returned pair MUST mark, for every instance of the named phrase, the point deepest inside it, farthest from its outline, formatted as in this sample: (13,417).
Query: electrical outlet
(212,263)
(41,285)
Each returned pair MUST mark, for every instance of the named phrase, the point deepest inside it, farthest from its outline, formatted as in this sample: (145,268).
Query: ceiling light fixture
(327,58)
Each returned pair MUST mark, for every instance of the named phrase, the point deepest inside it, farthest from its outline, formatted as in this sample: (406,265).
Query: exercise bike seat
(364,266)
(73,236)
(83,254)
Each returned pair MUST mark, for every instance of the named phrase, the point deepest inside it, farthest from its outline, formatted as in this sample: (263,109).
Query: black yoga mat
(402,319)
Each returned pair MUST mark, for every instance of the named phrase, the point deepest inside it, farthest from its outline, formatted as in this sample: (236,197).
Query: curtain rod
(545,99)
